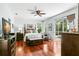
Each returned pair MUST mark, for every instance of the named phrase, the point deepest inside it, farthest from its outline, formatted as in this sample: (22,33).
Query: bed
(33,39)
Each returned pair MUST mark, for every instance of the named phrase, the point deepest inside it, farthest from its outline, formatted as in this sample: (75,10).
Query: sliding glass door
(61,26)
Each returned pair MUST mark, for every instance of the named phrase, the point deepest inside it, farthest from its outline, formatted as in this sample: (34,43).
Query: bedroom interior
(49,29)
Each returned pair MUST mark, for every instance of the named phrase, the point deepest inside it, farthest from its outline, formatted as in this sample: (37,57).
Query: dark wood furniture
(19,36)
(46,38)
(70,44)
(8,46)
(78,17)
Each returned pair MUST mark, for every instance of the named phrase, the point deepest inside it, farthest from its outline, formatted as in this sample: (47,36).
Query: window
(50,27)
(61,26)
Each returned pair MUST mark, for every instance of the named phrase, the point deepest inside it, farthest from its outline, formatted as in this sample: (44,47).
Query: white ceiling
(50,9)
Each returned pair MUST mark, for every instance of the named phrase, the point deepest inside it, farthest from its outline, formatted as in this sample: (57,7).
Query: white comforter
(33,36)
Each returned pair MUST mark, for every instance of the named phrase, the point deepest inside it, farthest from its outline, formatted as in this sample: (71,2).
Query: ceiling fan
(36,12)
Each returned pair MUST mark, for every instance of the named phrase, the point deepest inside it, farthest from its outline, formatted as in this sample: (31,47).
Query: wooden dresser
(70,44)
(8,46)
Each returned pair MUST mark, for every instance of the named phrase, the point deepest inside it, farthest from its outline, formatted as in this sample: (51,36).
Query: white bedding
(33,36)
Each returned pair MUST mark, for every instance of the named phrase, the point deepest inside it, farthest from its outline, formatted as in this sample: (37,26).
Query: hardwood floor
(45,49)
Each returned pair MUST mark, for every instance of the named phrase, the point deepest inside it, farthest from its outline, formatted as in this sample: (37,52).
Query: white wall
(54,18)
(6,12)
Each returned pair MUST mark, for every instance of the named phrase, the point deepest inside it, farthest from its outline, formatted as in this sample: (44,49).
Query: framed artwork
(50,27)
(30,26)
(71,17)
(0,26)
(6,26)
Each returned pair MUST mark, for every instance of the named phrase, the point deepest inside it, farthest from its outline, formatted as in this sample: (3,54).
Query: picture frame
(0,26)
(6,26)
(71,17)
(30,26)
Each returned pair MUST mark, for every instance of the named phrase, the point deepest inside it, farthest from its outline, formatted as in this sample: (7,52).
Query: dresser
(70,44)
(8,46)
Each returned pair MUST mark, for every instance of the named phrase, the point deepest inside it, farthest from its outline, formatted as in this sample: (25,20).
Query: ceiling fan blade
(40,10)
(40,15)
(43,13)
(33,12)
(30,10)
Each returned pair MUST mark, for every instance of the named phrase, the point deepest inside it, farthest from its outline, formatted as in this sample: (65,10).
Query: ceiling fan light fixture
(16,13)
(37,12)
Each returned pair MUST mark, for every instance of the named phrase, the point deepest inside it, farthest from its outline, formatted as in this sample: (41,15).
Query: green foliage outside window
(39,27)
(65,25)
(60,25)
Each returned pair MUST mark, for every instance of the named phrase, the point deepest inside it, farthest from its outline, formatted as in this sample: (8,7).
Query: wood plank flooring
(45,49)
